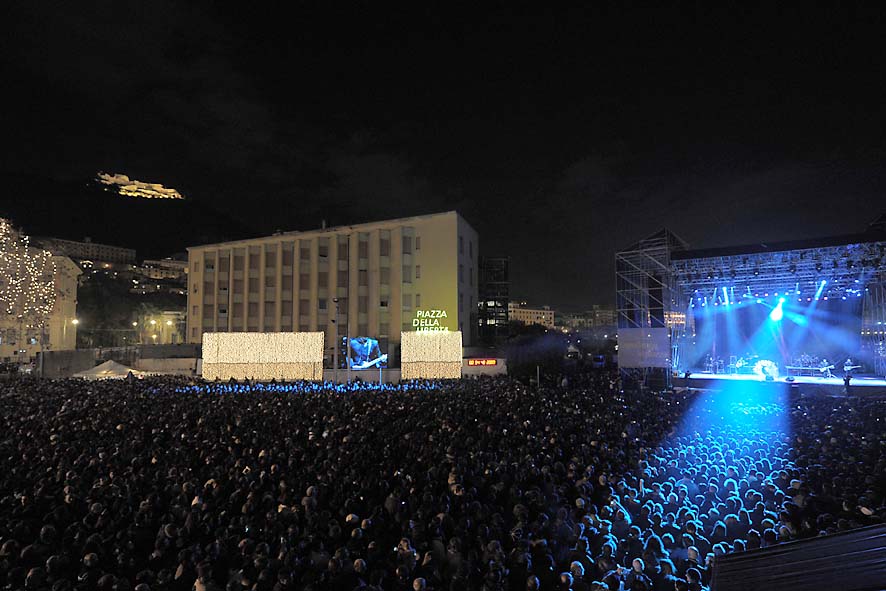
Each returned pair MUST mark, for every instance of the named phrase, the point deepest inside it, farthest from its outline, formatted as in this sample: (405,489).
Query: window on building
(363,247)
(384,275)
(322,303)
(470,248)
(342,278)
(384,243)
(418,271)
(471,276)
(304,252)
(323,248)
(194,333)
(461,272)
(407,245)
(461,245)
(418,300)
(304,281)
(363,278)
(407,274)
(407,301)
(384,328)
(418,243)
(304,307)
(343,254)
(253,285)
(270,258)
(323,279)
(383,303)
(362,303)
(194,310)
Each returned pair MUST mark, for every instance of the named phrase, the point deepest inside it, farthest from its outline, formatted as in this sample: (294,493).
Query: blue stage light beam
(725,296)
(820,289)
(778,311)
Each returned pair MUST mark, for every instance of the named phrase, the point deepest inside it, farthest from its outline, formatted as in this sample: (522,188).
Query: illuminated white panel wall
(430,355)
(263,355)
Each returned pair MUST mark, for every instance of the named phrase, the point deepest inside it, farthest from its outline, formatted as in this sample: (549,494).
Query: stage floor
(835,381)
(831,386)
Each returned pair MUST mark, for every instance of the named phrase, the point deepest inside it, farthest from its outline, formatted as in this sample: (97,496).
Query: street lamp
(75,321)
(335,342)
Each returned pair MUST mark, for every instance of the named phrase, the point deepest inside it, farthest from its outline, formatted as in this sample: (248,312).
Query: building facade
(87,250)
(375,279)
(495,296)
(598,318)
(20,344)
(520,312)
(161,328)
(164,269)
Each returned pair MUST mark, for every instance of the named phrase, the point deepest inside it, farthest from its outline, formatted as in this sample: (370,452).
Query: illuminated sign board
(430,321)
(482,362)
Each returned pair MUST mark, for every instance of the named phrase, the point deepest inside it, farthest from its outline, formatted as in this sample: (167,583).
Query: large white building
(520,312)
(87,250)
(379,278)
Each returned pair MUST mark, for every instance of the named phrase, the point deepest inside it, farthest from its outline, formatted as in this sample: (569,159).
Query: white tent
(108,370)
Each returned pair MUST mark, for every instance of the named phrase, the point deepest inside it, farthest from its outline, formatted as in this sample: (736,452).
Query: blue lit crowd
(166,484)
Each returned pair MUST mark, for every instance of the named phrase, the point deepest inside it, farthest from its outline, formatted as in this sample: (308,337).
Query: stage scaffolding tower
(873,326)
(648,302)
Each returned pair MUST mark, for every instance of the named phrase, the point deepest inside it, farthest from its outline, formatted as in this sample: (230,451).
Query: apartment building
(375,279)
(520,312)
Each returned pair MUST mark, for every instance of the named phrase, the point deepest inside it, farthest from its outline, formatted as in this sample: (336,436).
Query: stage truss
(854,270)
(657,278)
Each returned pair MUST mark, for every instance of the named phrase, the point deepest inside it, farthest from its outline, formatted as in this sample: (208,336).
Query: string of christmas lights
(27,279)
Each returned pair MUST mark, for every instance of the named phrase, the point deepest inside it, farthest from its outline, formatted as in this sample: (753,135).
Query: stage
(859,386)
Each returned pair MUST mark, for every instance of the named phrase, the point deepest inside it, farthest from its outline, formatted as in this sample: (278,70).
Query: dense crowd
(486,484)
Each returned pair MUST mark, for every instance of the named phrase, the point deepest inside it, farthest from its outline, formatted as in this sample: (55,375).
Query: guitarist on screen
(365,353)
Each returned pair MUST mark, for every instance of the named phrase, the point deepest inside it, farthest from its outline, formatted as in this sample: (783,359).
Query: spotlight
(777,312)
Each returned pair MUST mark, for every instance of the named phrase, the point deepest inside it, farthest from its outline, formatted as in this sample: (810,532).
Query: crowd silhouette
(489,484)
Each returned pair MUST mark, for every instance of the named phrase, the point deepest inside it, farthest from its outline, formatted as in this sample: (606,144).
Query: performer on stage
(826,368)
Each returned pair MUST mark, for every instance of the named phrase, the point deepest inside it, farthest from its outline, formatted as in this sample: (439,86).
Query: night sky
(561,137)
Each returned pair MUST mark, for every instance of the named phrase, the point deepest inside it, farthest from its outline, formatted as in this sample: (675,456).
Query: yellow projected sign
(431,321)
